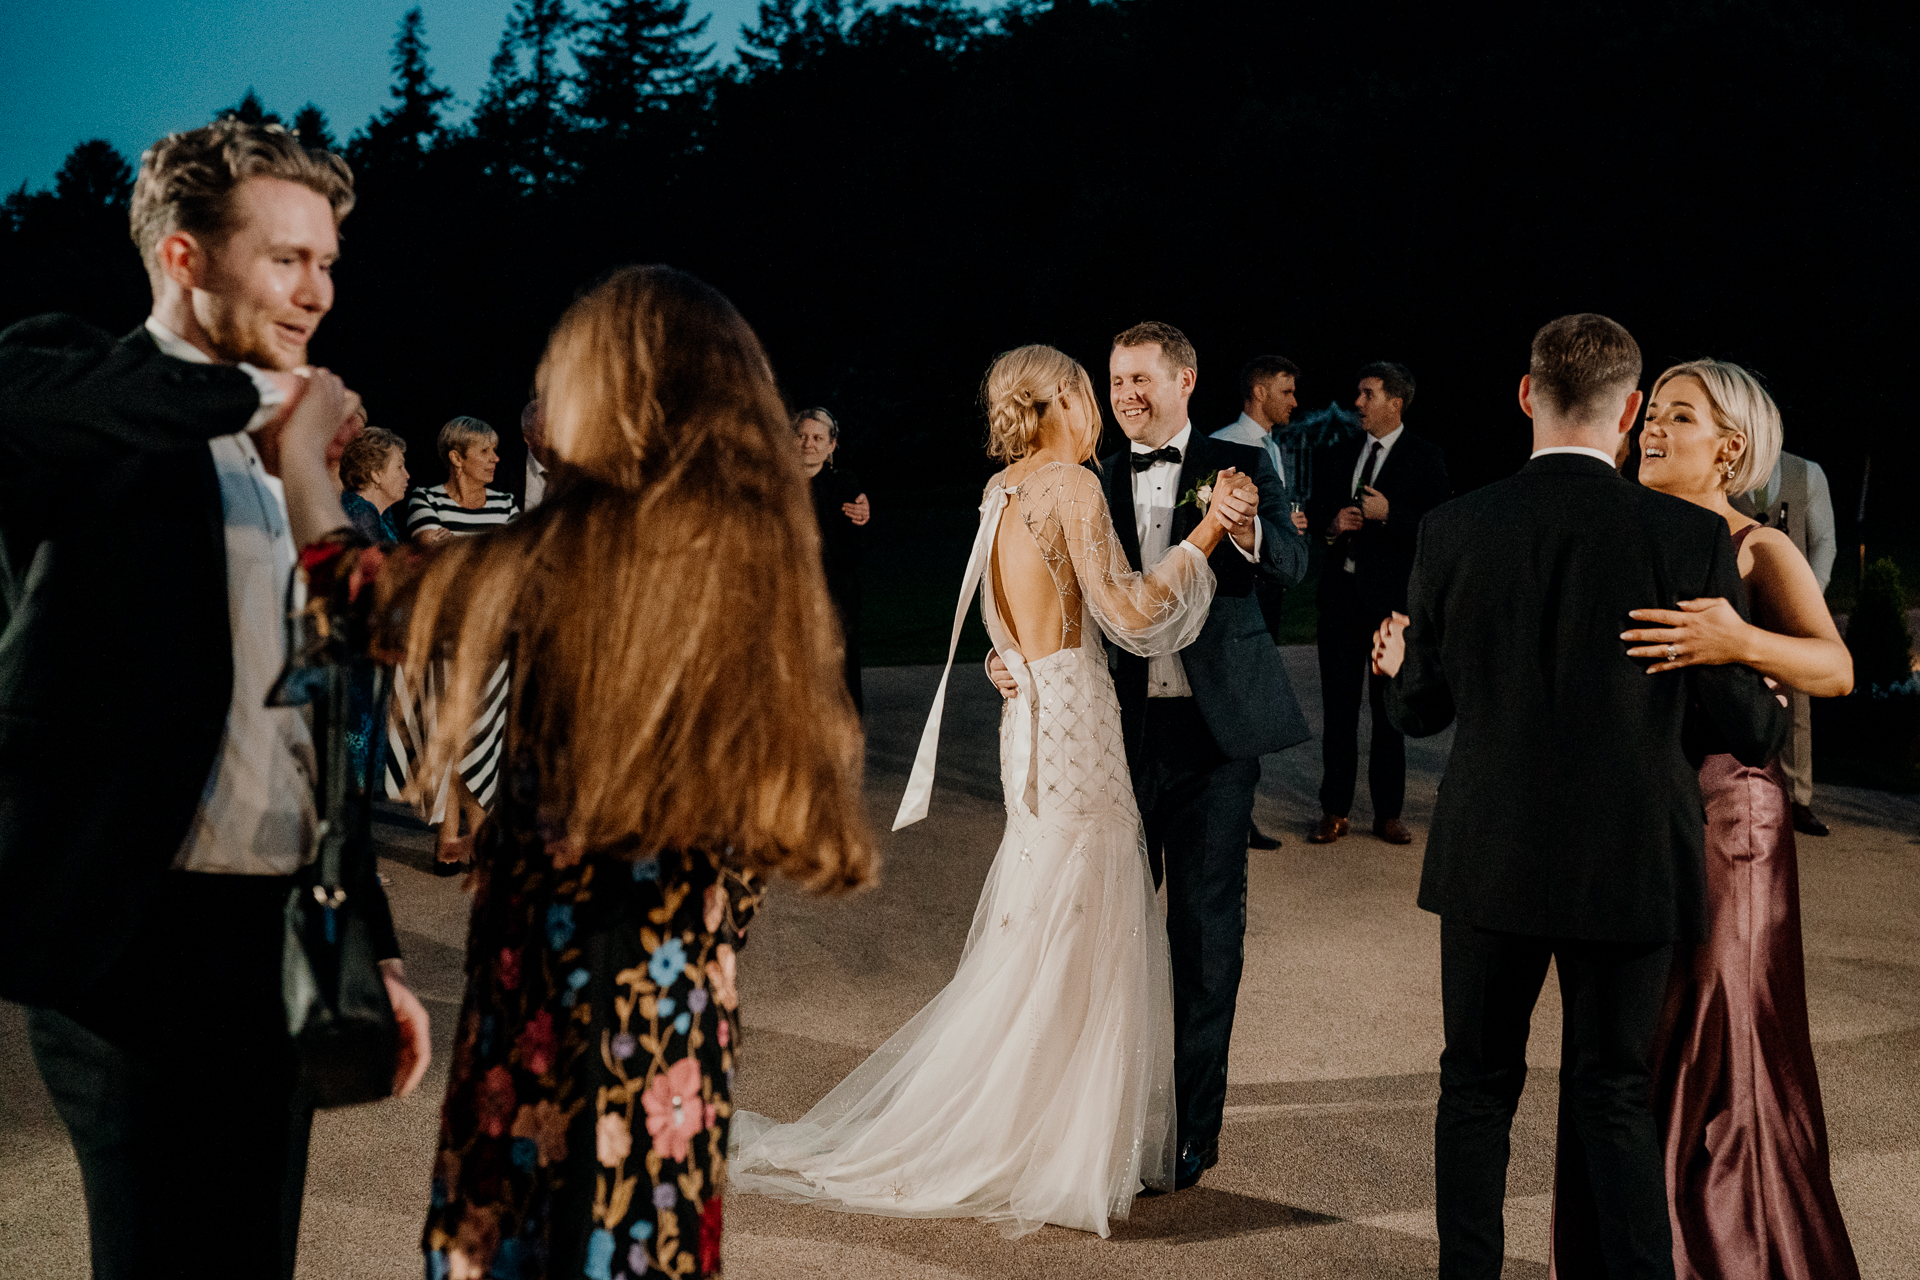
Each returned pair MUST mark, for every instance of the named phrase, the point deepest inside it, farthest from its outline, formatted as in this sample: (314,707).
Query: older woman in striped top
(462,506)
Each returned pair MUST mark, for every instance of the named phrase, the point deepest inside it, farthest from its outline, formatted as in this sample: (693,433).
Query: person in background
(373,476)
(1268,396)
(539,457)
(155,809)
(678,733)
(1796,501)
(1369,498)
(464,504)
(843,512)
(461,507)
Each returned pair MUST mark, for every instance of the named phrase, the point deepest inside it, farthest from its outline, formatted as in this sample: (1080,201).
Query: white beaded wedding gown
(1038,1086)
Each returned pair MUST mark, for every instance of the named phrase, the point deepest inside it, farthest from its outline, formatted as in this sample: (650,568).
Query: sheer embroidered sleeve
(1149,613)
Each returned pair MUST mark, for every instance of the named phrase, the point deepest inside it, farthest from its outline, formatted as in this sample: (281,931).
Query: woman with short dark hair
(373,473)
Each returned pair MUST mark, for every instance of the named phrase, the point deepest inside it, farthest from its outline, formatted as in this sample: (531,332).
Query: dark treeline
(891,195)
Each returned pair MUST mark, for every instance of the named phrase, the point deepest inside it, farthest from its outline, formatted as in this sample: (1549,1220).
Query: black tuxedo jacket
(1571,804)
(116,662)
(1240,685)
(1414,479)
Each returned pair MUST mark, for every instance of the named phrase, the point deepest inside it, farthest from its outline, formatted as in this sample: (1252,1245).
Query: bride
(1038,1086)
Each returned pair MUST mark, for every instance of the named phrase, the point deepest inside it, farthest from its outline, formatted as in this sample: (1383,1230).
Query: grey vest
(1787,509)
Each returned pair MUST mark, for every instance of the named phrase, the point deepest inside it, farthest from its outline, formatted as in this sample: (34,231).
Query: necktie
(1141,461)
(1366,472)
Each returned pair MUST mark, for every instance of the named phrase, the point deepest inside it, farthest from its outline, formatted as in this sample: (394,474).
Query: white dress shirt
(536,483)
(1244,430)
(256,815)
(1386,443)
(1156,492)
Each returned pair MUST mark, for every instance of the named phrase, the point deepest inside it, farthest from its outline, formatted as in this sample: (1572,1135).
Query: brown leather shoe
(1393,831)
(1329,830)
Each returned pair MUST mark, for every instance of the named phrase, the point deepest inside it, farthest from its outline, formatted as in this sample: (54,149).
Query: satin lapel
(1120,505)
(1194,466)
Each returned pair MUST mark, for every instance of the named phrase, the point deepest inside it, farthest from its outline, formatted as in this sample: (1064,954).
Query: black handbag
(338,1012)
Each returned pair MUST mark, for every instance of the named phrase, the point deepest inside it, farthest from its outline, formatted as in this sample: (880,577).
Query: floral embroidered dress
(585,1127)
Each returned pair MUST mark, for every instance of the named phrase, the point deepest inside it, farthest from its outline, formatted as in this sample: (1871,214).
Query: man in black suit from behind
(1369,497)
(153,808)
(1569,824)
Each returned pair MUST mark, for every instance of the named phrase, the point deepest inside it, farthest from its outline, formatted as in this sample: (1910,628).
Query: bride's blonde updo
(1020,389)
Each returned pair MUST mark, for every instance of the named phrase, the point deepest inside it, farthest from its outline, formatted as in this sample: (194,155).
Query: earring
(1729,471)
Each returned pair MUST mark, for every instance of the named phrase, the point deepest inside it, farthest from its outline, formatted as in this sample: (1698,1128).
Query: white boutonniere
(1201,495)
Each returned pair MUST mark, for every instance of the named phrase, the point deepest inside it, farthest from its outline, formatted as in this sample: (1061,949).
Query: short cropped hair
(1261,368)
(187,180)
(367,456)
(1740,406)
(1396,381)
(462,433)
(1174,347)
(819,415)
(1579,359)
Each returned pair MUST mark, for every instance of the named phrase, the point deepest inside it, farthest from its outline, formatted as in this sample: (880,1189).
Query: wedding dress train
(1037,1087)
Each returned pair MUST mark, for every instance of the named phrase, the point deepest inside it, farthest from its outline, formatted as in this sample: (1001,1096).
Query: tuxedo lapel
(1120,505)
(205,474)
(1194,466)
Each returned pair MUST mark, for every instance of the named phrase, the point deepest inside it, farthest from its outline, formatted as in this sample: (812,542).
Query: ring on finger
(1672,653)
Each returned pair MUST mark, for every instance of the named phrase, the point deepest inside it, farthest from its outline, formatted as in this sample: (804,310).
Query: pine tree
(790,34)
(636,56)
(401,134)
(250,110)
(310,125)
(94,179)
(523,117)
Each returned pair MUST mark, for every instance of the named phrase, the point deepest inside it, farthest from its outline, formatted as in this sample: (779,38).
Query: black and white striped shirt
(432,507)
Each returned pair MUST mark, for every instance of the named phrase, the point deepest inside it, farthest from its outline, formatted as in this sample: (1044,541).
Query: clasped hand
(1707,632)
(1235,504)
(319,416)
(1390,645)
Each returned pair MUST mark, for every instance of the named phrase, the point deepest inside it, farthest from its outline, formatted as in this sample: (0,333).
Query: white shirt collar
(1178,442)
(1570,448)
(172,344)
(1246,420)
(1388,440)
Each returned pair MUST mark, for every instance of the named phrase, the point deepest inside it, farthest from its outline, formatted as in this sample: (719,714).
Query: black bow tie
(1141,461)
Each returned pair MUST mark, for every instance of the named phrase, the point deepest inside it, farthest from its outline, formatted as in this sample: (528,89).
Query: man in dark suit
(1197,722)
(1569,824)
(1369,497)
(153,808)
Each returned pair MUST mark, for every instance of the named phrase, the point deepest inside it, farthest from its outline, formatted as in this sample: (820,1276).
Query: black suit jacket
(1414,479)
(1240,685)
(116,661)
(1571,804)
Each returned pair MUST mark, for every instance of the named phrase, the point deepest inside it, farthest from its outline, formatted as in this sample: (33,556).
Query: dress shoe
(1258,839)
(1329,830)
(1393,831)
(1806,824)
(1193,1161)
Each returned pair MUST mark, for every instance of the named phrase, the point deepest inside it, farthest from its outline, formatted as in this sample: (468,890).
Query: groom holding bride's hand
(1197,721)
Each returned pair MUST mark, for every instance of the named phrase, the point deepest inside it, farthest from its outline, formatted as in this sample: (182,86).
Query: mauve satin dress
(1736,1093)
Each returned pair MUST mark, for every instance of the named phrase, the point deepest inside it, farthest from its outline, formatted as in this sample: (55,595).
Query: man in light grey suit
(1197,722)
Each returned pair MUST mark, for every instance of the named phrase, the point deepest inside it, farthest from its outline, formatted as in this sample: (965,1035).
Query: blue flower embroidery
(667,1006)
(437,1265)
(667,962)
(697,1000)
(559,925)
(641,1230)
(600,1255)
(649,869)
(575,981)
(526,1154)
(681,1023)
(509,1261)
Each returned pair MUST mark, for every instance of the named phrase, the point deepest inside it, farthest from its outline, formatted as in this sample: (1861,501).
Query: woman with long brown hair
(677,730)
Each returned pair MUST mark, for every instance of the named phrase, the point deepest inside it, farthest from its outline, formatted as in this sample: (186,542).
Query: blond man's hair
(1175,348)
(677,671)
(1740,406)
(187,180)
(1021,388)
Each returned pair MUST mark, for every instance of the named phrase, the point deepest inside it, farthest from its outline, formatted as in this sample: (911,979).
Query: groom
(1569,823)
(1197,721)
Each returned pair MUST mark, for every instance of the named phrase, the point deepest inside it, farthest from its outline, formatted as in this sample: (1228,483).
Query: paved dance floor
(1326,1163)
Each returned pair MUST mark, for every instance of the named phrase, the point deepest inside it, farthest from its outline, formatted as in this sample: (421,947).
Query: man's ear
(182,259)
(1189,378)
(1634,401)
(1526,394)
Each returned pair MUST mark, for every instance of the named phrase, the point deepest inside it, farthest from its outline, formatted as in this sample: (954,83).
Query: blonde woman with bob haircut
(1736,1091)
(1038,1086)
(677,730)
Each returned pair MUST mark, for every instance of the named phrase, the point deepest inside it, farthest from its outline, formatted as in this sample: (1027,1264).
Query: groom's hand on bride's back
(1002,678)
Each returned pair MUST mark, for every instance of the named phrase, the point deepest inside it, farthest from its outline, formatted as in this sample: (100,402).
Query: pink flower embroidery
(509,968)
(493,1103)
(726,1032)
(675,1110)
(721,971)
(716,907)
(613,1139)
(536,1044)
(546,1124)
